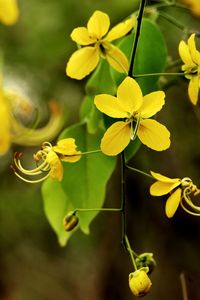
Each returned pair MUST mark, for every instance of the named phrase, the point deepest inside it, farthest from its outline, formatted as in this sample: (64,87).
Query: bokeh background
(32,264)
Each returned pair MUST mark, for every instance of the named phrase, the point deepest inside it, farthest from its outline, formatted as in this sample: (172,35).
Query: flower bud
(146,260)
(70,221)
(139,283)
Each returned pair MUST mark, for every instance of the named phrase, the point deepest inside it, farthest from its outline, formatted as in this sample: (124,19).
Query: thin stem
(89,152)
(173,4)
(158,74)
(97,209)
(123,161)
(139,171)
(184,286)
(172,21)
(137,35)
(123,196)
(128,247)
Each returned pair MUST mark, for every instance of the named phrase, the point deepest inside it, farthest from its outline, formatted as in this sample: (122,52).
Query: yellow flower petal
(116,138)
(9,12)
(160,188)
(117,59)
(185,55)
(65,146)
(195,55)
(172,203)
(71,158)
(154,135)
(120,30)
(152,103)
(81,36)
(56,171)
(67,149)
(129,95)
(98,24)
(193,89)
(163,178)
(109,105)
(82,62)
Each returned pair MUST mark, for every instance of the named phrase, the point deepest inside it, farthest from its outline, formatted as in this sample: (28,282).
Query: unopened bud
(146,260)
(70,221)
(139,283)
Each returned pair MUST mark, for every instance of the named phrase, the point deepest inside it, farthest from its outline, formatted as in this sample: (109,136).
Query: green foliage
(151,55)
(100,82)
(83,185)
(56,204)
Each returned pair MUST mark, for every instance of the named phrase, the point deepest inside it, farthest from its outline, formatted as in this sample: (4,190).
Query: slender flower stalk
(158,74)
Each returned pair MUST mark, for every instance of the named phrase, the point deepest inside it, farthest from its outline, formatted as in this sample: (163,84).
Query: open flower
(134,109)
(12,128)
(97,40)
(9,12)
(191,58)
(50,158)
(180,191)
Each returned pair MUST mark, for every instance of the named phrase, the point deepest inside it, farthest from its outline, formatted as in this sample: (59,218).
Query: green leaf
(86,108)
(151,55)
(84,182)
(56,205)
(100,82)
(91,115)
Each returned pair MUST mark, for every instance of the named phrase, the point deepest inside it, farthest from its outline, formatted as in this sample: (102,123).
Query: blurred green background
(33,266)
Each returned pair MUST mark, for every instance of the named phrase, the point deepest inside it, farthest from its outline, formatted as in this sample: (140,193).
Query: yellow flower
(97,40)
(179,189)
(191,58)
(194,6)
(50,158)
(9,12)
(12,129)
(139,283)
(134,109)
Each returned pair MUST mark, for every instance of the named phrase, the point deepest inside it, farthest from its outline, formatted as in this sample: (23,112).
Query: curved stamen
(186,193)
(134,133)
(29,172)
(31,181)
(186,181)
(189,211)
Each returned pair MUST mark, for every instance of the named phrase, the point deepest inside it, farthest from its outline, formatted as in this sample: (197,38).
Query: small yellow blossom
(97,43)
(194,6)
(9,12)
(191,58)
(134,109)
(180,191)
(50,158)
(11,127)
(139,283)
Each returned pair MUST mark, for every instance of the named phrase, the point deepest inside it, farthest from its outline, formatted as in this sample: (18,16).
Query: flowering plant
(127,71)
